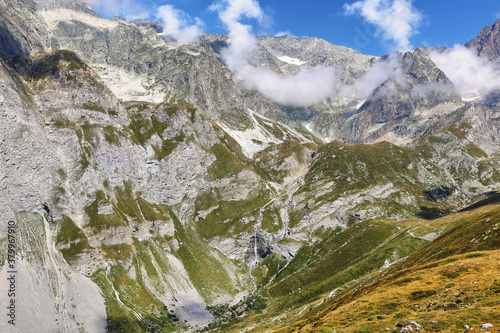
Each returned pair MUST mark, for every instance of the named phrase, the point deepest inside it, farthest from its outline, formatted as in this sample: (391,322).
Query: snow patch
(53,16)
(252,140)
(292,61)
(469,96)
(375,128)
(360,104)
(193,53)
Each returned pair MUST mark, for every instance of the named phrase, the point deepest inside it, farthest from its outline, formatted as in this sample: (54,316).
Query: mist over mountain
(155,178)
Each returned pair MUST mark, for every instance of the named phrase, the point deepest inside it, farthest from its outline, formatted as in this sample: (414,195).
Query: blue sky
(440,22)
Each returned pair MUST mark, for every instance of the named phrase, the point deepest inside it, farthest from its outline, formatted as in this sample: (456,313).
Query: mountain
(444,286)
(487,42)
(411,91)
(151,191)
(285,54)
(413,96)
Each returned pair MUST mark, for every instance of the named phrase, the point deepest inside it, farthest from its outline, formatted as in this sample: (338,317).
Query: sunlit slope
(451,282)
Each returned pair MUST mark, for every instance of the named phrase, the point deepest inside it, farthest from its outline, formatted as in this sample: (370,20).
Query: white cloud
(240,40)
(284,33)
(304,88)
(379,73)
(467,71)
(176,24)
(128,9)
(397,19)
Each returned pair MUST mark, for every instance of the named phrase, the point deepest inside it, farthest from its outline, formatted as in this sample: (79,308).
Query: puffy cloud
(240,40)
(468,72)
(379,73)
(176,24)
(397,19)
(304,88)
(284,33)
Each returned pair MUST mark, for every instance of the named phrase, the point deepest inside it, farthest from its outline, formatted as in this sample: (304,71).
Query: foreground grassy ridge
(342,257)
(448,281)
(457,269)
(460,290)
(474,230)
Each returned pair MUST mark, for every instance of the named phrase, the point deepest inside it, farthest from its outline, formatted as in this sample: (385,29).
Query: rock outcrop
(414,96)
(487,43)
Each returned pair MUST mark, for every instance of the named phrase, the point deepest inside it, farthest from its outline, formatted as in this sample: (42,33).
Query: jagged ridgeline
(152,192)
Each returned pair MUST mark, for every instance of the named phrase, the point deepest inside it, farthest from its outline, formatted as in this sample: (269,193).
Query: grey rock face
(285,54)
(65,129)
(167,70)
(155,25)
(487,43)
(414,96)
(22,30)
(396,109)
(118,49)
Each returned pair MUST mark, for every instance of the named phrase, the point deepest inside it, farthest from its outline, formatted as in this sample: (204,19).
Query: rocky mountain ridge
(487,42)
(415,93)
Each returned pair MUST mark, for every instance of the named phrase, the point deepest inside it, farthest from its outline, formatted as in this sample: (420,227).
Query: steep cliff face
(138,64)
(487,43)
(22,30)
(104,173)
(287,55)
(101,169)
(414,94)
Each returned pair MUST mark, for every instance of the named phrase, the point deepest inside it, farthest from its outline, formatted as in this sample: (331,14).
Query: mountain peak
(394,108)
(419,66)
(487,43)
